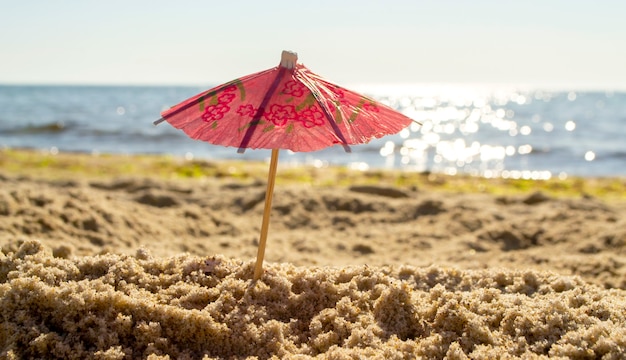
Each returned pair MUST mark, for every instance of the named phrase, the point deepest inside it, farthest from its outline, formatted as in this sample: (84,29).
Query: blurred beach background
(529,134)
(530,90)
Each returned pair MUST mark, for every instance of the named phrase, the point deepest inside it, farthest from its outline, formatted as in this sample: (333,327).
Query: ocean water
(478,130)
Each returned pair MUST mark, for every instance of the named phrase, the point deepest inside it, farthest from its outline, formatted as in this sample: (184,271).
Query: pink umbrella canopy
(285,107)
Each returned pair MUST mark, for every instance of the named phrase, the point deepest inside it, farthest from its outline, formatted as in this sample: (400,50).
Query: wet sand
(141,267)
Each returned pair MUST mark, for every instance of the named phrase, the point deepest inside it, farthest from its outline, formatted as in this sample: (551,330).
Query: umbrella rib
(305,80)
(257,117)
(193,103)
(207,95)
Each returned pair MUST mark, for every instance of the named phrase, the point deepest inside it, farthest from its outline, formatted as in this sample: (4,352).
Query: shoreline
(60,165)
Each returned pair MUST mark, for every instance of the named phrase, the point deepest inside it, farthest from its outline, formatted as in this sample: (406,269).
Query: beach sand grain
(138,267)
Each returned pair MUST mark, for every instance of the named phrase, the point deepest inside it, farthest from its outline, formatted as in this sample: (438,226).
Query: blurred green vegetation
(71,165)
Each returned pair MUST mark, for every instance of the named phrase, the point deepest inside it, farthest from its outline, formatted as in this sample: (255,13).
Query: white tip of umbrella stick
(288,59)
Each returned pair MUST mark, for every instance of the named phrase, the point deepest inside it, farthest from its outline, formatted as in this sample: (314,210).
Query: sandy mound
(138,267)
(371,225)
(121,306)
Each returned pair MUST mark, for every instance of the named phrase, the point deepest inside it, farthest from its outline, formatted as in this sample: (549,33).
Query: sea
(480,130)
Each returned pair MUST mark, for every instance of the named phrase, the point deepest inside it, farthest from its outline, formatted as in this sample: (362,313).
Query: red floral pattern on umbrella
(370,107)
(246,110)
(215,112)
(225,98)
(294,88)
(282,108)
(280,114)
(311,117)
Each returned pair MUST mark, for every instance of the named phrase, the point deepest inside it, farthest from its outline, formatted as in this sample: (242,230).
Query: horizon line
(396,86)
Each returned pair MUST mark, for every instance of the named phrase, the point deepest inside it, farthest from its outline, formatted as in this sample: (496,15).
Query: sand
(141,267)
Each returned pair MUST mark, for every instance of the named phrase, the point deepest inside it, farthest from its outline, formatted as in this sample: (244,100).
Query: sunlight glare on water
(479,131)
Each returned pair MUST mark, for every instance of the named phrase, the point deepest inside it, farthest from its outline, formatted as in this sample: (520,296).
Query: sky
(559,43)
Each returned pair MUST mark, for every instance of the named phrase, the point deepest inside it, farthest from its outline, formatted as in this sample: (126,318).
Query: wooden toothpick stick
(269,192)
